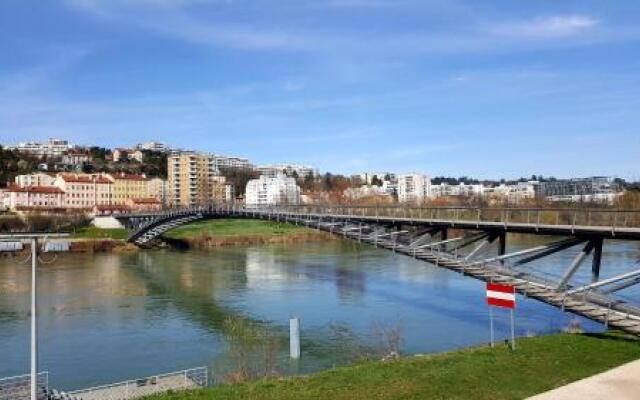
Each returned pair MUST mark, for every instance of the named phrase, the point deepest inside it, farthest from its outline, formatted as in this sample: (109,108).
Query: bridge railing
(614,218)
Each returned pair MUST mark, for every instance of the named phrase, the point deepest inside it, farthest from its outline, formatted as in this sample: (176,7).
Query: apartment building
(120,154)
(152,146)
(222,162)
(157,189)
(39,179)
(85,190)
(75,158)
(194,179)
(52,148)
(596,188)
(31,197)
(461,189)
(127,186)
(288,169)
(271,191)
(413,188)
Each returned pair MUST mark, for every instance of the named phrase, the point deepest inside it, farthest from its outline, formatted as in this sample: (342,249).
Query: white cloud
(546,27)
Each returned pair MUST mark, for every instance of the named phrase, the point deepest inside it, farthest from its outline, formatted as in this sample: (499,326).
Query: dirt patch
(100,245)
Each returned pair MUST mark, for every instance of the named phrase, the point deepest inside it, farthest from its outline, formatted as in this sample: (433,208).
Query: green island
(539,364)
(232,227)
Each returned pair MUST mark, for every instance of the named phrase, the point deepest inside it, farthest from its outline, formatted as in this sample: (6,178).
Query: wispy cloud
(171,17)
(175,18)
(546,27)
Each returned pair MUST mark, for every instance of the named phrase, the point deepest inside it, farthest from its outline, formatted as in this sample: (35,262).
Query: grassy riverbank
(539,364)
(232,227)
(229,232)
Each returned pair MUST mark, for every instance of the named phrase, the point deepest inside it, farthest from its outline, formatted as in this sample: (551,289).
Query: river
(108,317)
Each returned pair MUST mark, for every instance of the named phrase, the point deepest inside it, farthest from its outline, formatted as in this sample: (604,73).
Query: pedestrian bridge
(470,241)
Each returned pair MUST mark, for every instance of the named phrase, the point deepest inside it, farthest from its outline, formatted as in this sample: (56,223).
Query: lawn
(539,364)
(91,232)
(231,227)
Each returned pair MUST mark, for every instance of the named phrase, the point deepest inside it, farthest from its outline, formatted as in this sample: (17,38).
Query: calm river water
(110,317)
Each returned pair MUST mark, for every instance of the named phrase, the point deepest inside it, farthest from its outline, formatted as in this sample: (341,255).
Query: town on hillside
(58,176)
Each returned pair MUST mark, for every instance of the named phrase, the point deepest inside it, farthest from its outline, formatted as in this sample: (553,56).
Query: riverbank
(539,364)
(201,235)
(231,232)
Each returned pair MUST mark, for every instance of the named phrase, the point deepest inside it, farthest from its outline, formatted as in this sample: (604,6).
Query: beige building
(39,179)
(121,154)
(157,189)
(194,179)
(128,186)
(85,190)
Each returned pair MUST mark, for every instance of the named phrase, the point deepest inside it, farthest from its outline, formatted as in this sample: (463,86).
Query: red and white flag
(501,295)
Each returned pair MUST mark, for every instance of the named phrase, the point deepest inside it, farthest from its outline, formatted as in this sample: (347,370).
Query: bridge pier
(597,259)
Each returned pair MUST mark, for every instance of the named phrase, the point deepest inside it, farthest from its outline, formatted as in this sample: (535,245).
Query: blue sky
(481,88)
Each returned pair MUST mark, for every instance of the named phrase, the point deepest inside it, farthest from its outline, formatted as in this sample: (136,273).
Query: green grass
(91,232)
(539,364)
(231,227)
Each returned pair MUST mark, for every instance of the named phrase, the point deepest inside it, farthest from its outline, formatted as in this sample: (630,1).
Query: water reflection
(108,317)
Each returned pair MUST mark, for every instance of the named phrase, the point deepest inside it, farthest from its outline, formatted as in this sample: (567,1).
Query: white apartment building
(220,162)
(288,169)
(153,146)
(461,189)
(39,179)
(271,191)
(522,191)
(53,148)
(413,187)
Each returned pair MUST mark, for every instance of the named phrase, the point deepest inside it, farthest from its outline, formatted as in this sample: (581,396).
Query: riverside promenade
(620,383)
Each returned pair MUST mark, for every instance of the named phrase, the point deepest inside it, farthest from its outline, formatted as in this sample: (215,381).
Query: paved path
(621,383)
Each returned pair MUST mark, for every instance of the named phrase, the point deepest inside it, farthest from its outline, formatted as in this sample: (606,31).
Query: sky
(489,89)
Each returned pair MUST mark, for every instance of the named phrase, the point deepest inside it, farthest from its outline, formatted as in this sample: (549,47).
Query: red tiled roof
(75,178)
(35,189)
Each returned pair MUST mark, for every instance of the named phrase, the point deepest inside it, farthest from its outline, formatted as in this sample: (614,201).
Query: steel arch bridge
(458,239)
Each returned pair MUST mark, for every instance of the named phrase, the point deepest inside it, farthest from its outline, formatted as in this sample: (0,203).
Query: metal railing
(613,218)
(19,387)
(136,388)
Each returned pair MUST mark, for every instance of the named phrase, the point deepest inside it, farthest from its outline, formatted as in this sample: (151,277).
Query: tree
(375,181)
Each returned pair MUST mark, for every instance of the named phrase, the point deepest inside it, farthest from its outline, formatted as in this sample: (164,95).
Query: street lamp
(33,238)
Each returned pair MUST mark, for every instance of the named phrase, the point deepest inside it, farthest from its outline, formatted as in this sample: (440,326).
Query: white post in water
(34,325)
(294,337)
(513,332)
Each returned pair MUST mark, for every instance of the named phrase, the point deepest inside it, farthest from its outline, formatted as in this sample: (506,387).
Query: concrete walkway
(621,383)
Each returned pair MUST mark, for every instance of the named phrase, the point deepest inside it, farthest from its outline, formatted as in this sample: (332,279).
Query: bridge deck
(607,232)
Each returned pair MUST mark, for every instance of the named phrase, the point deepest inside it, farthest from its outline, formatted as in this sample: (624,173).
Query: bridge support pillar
(444,235)
(502,245)
(597,259)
